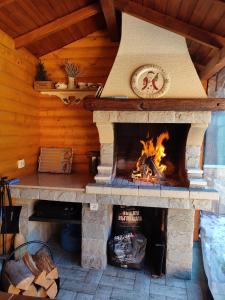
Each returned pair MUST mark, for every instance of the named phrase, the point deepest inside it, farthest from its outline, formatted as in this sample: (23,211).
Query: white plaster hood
(143,43)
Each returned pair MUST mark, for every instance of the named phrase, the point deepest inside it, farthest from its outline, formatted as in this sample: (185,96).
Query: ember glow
(149,166)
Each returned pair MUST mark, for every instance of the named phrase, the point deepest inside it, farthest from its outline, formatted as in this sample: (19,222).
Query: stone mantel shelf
(159,104)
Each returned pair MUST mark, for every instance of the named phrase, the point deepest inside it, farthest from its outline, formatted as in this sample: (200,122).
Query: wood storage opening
(30,271)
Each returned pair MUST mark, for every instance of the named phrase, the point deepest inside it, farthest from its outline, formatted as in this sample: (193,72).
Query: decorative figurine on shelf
(41,78)
(71,70)
(61,85)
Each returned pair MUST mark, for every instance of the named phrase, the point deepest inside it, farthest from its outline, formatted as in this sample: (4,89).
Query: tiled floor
(115,283)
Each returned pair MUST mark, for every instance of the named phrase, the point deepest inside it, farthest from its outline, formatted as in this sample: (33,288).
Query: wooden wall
(19,106)
(72,126)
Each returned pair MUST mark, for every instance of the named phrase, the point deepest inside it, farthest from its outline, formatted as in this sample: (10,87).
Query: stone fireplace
(176,181)
(181,198)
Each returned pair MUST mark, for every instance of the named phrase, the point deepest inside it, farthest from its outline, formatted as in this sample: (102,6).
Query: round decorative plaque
(150,81)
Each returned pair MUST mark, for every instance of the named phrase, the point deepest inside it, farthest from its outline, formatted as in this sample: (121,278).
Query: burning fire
(149,163)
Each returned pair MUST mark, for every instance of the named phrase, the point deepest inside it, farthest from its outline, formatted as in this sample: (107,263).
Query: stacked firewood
(32,275)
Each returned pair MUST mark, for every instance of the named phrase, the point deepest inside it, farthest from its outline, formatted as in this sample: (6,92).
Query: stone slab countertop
(82,189)
(71,182)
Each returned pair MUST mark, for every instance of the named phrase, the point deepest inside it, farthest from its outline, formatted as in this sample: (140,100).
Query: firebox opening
(152,153)
(138,239)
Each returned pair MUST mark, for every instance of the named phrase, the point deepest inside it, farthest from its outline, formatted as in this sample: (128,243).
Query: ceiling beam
(187,30)
(216,64)
(5,2)
(221,1)
(110,18)
(57,25)
(199,67)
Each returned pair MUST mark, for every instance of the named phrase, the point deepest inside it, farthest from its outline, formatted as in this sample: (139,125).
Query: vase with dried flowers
(71,70)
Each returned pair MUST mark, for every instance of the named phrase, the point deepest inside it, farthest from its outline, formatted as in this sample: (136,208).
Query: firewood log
(7,285)
(29,262)
(44,262)
(41,278)
(45,283)
(41,292)
(52,291)
(19,274)
(53,274)
(32,291)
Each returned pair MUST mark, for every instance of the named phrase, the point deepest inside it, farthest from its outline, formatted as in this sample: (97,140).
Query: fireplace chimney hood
(144,44)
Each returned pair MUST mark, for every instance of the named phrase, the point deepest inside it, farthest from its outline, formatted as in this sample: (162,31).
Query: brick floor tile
(103,293)
(157,297)
(175,282)
(111,270)
(142,282)
(193,291)
(79,287)
(130,274)
(168,291)
(83,296)
(160,280)
(121,294)
(94,276)
(65,295)
(174,298)
(117,282)
(72,273)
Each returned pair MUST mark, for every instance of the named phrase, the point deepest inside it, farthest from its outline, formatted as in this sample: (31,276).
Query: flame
(153,152)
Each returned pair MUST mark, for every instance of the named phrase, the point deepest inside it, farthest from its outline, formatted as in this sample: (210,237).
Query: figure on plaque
(149,81)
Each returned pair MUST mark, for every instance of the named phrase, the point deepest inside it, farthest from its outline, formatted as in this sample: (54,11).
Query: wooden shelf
(70,96)
(53,220)
(160,104)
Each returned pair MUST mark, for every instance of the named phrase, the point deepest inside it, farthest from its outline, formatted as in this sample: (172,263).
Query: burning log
(149,164)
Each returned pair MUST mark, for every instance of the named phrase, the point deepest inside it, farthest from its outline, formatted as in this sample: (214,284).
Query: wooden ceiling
(46,25)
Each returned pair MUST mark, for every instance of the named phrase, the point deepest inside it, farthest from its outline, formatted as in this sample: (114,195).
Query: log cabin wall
(19,106)
(72,126)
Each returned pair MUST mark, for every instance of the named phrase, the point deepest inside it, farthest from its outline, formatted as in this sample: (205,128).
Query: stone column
(180,227)
(106,137)
(193,154)
(96,227)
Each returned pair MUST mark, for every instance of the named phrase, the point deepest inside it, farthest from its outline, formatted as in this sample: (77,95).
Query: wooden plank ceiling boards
(187,30)
(57,25)
(46,25)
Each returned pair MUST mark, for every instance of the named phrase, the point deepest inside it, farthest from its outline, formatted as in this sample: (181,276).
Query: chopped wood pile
(32,275)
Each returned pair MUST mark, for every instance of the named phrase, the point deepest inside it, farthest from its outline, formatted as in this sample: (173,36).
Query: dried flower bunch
(71,69)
